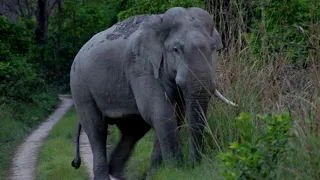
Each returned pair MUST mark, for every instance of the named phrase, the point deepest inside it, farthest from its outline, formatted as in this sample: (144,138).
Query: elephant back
(126,28)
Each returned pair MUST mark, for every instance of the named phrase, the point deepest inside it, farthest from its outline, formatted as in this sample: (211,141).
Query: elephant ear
(217,42)
(148,45)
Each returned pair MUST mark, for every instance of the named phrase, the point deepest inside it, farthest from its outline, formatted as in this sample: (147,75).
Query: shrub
(260,150)
(19,77)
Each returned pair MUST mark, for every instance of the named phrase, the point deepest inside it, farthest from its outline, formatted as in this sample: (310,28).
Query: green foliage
(203,171)
(18,119)
(15,38)
(134,7)
(25,99)
(284,26)
(18,75)
(260,150)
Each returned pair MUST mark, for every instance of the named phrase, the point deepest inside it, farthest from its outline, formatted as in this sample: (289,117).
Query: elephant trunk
(196,109)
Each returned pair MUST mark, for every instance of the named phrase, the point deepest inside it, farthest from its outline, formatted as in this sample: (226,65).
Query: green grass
(138,163)
(19,119)
(59,150)
(203,171)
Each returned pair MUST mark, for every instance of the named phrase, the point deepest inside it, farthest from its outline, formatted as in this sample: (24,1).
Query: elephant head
(181,45)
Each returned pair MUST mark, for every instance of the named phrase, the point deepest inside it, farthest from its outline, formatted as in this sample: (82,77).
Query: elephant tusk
(113,178)
(221,97)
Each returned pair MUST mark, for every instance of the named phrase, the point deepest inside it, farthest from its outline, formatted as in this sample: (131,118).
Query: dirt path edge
(24,163)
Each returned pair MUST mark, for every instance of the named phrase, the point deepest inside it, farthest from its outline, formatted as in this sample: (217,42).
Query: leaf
(234,145)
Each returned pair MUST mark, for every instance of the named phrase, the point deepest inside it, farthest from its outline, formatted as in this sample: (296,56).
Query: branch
(20,8)
(9,7)
(51,8)
(28,9)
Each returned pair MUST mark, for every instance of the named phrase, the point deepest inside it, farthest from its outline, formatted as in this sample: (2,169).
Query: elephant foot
(76,163)
(117,176)
(151,171)
(113,178)
(103,176)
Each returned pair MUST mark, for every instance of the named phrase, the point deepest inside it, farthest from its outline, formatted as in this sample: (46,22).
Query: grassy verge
(138,163)
(57,153)
(17,120)
(203,171)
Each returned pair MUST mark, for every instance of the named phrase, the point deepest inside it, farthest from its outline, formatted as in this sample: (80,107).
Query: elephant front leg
(157,108)
(156,158)
(168,140)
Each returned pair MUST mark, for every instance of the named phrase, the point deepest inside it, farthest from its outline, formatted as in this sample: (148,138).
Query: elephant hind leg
(96,129)
(156,158)
(132,130)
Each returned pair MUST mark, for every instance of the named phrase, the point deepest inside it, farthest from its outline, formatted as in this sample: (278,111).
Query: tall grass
(267,81)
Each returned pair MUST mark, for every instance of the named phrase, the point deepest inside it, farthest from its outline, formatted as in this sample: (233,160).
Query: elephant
(148,71)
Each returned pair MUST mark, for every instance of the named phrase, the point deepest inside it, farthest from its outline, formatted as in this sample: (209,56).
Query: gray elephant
(148,71)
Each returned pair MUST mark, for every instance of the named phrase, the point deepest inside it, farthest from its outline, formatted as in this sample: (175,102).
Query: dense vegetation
(25,99)
(270,64)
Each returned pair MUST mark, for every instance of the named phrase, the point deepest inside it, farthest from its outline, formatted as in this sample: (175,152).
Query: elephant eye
(175,49)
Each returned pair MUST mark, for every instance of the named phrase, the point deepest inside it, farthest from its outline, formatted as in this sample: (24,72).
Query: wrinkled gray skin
(140,74)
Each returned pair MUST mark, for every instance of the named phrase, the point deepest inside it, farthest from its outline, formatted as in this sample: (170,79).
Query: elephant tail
(77,161)
(221,97)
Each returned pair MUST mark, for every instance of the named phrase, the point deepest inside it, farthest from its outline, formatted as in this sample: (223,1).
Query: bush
(19,78)
(281,32)
(260,150)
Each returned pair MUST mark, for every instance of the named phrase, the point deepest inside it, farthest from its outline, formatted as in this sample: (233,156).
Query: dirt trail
(25,159)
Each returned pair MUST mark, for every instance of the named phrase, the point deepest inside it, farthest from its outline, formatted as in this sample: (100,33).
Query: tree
(59,25)
(41,22)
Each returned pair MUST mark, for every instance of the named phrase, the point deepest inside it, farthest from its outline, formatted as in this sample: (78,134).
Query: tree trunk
(59,25)
(28,8)
(41,20)
(74,26)
(40,30)
(21,9)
